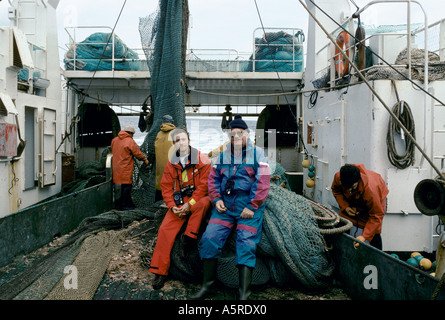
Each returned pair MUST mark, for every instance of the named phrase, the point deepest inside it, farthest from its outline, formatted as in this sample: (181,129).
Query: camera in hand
(177,197)
(228,189)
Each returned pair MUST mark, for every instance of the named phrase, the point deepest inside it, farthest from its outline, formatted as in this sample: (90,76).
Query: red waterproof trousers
(169,229)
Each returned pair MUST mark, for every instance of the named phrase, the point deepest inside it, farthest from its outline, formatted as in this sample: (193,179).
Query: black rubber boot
(245,279)
(209,268)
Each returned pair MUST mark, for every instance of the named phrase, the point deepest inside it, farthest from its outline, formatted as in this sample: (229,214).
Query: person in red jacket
(124,148)
(361,195)
(185,193)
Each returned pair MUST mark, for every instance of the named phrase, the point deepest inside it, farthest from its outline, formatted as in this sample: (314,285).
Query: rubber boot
(245,279)
(209,268)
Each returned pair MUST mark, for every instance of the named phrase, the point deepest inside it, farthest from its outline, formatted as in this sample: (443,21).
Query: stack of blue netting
(278,51)
(96,53)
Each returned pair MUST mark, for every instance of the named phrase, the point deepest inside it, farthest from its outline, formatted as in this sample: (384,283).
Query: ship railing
(293,48)
(197,60)
(327,52)
(217,111)
(436,37)
(76,63)
(216,60)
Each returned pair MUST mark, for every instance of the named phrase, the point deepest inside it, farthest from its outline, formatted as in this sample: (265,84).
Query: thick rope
(438,287)
(403,112)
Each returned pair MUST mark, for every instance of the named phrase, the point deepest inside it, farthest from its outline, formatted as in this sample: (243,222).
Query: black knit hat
(238,122)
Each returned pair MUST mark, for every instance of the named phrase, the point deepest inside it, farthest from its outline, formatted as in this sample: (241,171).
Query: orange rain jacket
(369,199)
(195,173)
(124,148)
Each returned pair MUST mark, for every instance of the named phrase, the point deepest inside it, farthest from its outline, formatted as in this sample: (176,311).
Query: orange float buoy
(342,64)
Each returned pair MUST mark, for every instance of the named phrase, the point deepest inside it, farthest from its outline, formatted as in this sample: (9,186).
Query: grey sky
(215,24)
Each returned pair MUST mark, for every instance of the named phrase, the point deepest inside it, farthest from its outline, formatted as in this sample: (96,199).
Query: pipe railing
(349,25)
(219,60)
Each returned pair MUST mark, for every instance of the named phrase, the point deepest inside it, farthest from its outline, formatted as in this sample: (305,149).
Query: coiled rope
(403,112)
(329,222)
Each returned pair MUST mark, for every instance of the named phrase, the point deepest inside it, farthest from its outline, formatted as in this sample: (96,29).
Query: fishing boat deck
(127,276)
(132,281)
(175,290)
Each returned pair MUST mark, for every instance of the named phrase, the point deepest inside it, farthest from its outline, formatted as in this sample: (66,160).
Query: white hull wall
(39,26)
(352,128)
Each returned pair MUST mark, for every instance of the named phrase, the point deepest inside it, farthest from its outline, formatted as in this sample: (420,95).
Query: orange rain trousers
(169,229)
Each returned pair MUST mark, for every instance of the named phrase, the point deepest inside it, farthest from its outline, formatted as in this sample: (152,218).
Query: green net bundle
(162,38)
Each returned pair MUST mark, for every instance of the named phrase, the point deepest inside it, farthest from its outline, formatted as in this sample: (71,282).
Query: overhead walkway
(212,78)
(205,88)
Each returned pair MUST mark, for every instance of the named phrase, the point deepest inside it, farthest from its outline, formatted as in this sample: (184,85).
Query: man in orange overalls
(361,195)
(124,148)
(185,192)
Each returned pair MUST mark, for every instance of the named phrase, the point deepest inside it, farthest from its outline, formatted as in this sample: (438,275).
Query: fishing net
(91,262)
(277,51)
(89,248)
(88,174)
(294,234)
(163,37)
(436,68)
(98,51)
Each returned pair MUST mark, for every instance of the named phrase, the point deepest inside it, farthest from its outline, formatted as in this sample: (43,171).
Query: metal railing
(200,60)
(349,25)
(288,41)
(74,43)
(436,41)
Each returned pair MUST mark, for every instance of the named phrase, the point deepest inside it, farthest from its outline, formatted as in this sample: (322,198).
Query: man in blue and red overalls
(238,187)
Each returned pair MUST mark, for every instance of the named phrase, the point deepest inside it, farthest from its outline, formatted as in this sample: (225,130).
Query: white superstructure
(31,93)
(350,124)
